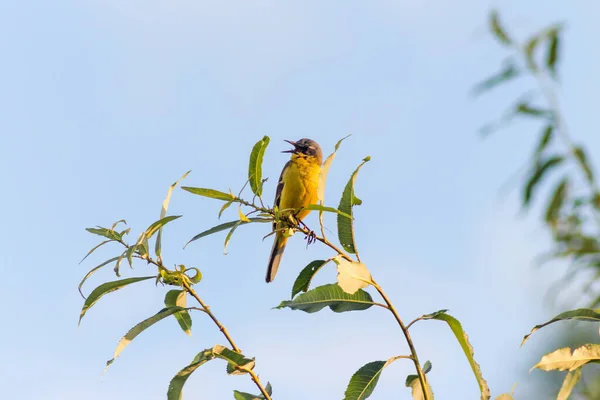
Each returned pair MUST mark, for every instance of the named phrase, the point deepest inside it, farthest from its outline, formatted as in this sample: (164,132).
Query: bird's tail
(275,258)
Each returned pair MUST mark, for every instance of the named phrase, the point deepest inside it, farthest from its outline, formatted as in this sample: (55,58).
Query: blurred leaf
(306,275)
(178,298)
(92,271)
(325,171)
(96,248)
(255,167)
(537,175)
(508,72)
(563,359)
(569,383)
(463,340)
(118,263)
(139,328)
(583,314)
(225,207)
(544,141)
(107,233)
(530,48)
(583,161)
(152,229)
(176,385)
(331,296)
(348,200)
(556,202)
(224,226)
(318,207)
(552,55)
(364,380)
(230,233)
(526,109)
(497,30)
(237,364)
(352,276)
(213,194)
(163,213)
(121,221)
(106,288)
(504,396)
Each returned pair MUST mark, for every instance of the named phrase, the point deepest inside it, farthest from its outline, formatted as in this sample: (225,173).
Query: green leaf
(463,340)
(255,167)
(213,194)
(331,296)
(118,263)
(96,268)
(237,364)
(106,288)
(569,383)
(176,385)
(141,327)
(558,197)
(537,175)
(225,207)
(129,254)
(96,248)
(544,141)
(583,162)
(104,232)
(178,298)
(497,29)
(163,213)
(526,109)
(348,200)
(230,233)
(224,226)
(364,380)
(305,277)
(530,48)
(563,359)
(509,71)
(152,229)
(237,395)
(582,314)
(318,207)
(552,55)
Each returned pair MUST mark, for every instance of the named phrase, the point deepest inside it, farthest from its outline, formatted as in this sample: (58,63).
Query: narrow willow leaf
(242,216)
(530,48)
(237,364)
(306,275)
(141,327)
(118,263)
(152,229)
(121,221)
(318,207)
(331,296)
(556,202)
(537,175)
(230,233)
(255,166)
(583,162)
(363,382)
(509,71)
(463,340)
(106,288)
(568,384)
(96,248)
(163,213)
(497,29)
(224,226)
(348,200)
(564,360)
(107,233)
(96,268)
(129,254)
(213,194)
(544,141)
(178,298)
(552,55)
(582,314)
(176,385)
(225,207)
(526,109)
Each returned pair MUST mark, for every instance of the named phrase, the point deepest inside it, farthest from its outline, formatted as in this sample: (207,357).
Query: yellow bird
(297,188)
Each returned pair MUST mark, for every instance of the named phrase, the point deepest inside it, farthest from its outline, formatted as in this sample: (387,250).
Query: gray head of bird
(306,146)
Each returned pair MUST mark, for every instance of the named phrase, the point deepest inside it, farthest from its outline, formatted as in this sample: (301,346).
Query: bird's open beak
(292,150)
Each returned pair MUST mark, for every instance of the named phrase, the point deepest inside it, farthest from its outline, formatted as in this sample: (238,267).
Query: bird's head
(307,147)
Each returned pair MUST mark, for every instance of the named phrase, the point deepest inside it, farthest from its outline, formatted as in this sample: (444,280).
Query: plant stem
(411,346)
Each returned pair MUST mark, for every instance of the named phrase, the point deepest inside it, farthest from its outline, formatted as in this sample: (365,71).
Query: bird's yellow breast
(301,180)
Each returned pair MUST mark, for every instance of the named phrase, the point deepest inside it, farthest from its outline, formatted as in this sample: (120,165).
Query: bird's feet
(310,238)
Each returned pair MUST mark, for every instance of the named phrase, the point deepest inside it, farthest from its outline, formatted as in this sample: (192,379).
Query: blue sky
(105,103)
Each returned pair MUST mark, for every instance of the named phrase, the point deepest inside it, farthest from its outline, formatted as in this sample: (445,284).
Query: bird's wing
(280,188)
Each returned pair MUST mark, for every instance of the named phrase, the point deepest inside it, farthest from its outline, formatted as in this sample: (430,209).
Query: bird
(297,188)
